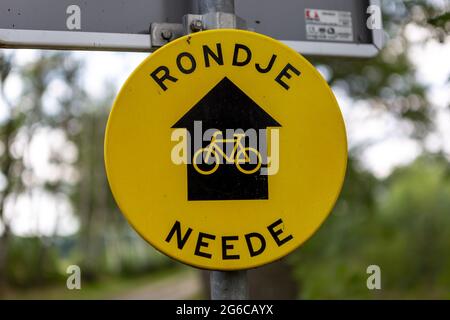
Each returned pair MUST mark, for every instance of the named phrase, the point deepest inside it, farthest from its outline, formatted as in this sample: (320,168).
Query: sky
(39,213)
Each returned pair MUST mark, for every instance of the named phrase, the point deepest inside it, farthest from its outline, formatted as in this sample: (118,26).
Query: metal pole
(225,285)
(207,6)
(229,285)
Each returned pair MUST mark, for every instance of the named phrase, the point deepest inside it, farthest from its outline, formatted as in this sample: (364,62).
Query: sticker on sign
(328,25)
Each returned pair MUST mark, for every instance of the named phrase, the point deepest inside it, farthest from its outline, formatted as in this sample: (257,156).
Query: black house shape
(226,106)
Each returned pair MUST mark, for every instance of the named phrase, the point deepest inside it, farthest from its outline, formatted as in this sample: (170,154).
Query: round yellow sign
(225,149)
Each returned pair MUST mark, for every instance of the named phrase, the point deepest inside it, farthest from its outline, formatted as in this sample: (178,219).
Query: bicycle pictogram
(247,160)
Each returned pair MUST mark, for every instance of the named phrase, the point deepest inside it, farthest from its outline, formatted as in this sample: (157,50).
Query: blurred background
(56,209)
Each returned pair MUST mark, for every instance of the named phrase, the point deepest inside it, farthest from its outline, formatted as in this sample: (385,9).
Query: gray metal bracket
(163,33)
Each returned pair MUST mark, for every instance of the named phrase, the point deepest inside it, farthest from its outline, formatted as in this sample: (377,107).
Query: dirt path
(186,285)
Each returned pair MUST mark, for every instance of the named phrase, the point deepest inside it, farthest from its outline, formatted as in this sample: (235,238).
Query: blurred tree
(38,107)
(7,132)
(107,242)
(92,198)
(404,232)
(332,264)
(52,101)
(415,211)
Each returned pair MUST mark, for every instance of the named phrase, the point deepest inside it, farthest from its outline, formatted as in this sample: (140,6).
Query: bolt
(166,34)
(196,25)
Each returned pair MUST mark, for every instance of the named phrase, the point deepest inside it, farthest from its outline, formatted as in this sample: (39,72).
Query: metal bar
(207,6)
(229,285)
(225,285)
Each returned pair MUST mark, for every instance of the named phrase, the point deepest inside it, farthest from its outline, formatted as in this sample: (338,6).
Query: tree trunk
(5,237)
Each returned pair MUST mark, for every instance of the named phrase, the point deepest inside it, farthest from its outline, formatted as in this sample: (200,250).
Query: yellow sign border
(138,223)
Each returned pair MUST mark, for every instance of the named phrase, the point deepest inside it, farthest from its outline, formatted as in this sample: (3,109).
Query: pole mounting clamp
(163,33)
(212,20)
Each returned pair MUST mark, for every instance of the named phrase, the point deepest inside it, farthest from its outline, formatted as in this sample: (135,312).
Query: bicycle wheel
(201,166)
(250,154)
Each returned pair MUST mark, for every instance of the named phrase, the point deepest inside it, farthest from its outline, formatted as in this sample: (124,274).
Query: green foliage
(405,232)
(440,21)
(32,264)
(415,212)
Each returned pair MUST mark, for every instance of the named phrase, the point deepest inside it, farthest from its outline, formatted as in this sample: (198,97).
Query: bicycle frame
(215,147)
